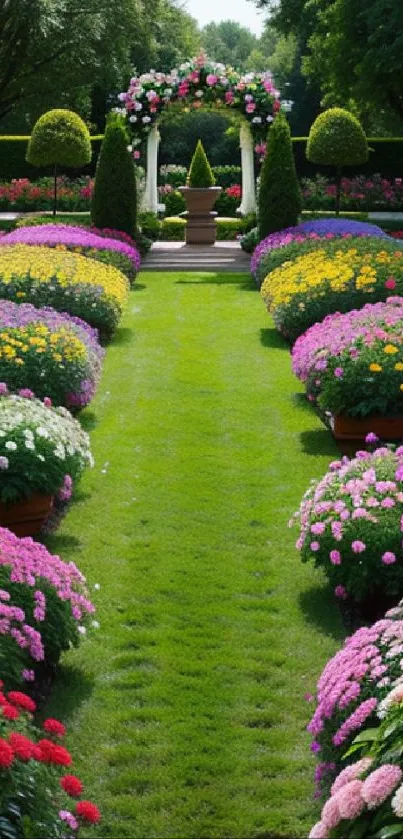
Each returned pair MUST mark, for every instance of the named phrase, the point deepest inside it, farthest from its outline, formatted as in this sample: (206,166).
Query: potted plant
(43,450)
(200,195)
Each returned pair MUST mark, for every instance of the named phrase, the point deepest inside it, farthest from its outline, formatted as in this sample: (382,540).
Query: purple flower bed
(319,229)
(52,235)
(338,331)
(75,382)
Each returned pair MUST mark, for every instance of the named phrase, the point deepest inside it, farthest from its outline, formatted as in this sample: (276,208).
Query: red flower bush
(31,789)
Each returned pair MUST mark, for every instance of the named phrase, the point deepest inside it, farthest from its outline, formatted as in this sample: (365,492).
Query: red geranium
(52,726)
(88,811)
(9,712)
(6,754)
(72,785)
(21,700)
(60,756)
(21,746)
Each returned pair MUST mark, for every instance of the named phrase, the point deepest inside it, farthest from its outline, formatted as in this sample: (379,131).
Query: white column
(150,200)
(248,204)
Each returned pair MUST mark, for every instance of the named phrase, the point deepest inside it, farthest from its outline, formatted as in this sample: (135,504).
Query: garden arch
(201,83)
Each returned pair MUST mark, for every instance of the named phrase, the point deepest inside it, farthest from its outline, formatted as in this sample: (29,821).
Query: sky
(243,11)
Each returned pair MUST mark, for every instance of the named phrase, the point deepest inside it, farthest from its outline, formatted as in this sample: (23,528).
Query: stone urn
(201,226)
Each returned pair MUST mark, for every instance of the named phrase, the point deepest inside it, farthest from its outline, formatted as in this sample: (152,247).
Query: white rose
(11,446)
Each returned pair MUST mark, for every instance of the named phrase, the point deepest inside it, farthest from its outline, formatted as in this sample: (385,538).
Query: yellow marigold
(375,368)
(399,366)
(390,349)
(401,387)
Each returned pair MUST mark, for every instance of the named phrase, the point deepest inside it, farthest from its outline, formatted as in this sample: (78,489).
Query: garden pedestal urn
(201,227)
(26,517)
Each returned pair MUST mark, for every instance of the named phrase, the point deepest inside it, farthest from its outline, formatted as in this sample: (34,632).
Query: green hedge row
(13,164)
(386,157)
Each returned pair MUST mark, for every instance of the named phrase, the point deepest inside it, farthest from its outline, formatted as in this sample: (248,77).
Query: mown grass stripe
(187,705)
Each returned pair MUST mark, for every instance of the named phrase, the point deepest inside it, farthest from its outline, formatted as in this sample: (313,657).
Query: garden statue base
(201,227)
(26,517)
(356,428)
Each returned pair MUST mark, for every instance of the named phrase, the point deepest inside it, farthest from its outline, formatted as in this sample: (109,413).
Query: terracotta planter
(357,428)
(25,518)
(201,226)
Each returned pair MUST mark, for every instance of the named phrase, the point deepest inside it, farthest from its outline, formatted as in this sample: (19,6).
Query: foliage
(291,242)
(180,130)
(59,137)
(250,240)
(44,601)
(33,791)
(229,201)
(350,689)
(173,230)
(53,354)
(150,225)
(229,229)
(200,175)
(229,43)
(174,202)
(339,276)
(69,282)
(227,176)
(279,193)
(336,139)
(114,201)
(39,445)
(173,175)
(80,240)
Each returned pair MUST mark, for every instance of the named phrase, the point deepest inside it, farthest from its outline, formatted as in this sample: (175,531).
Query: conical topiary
(337,139)
(114,199)
(59,138)
(279,195)
(200,173)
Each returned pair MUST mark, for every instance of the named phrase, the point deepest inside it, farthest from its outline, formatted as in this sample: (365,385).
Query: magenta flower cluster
(351,524)
(321,229)
(52,235)
(43,578)
(337,332)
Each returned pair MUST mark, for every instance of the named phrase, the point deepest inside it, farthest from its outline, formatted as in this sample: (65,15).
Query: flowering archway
(196,84)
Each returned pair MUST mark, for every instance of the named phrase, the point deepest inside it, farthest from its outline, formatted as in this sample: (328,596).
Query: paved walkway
(177,256)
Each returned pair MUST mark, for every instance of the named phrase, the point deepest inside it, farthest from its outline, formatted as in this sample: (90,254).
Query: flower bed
(353,363)
(39,446)
(351,524)
(351,688)
(25,196)
(338,277)
(36,797)
(362,192)
(44,607)
(68,282)
(107,249)
(53,354)
(304,237)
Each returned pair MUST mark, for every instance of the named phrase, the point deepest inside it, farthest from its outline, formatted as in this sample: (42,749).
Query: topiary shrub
(337,139)
(279,194)
(59,138)
(114,199)
(200,173)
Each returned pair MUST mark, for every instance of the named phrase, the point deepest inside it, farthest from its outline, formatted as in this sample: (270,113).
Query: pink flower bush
(380,784)
(354,512)
(357,341)
(43,603)
(351,691)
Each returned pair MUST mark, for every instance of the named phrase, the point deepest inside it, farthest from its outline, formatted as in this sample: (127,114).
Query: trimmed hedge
(13,164)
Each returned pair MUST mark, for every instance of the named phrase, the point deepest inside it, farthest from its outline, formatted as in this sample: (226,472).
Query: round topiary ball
(59,137)
(337,139)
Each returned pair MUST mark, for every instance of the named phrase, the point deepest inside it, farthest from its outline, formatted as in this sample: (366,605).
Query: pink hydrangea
(351,773)
(379,785)
(350,801)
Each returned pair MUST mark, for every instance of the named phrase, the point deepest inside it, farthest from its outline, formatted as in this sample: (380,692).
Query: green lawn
(186,708)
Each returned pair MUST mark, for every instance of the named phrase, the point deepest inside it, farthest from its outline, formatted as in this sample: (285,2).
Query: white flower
(41,457)
(129,148)
(42,432)
(96,586)
(95,624)
(199,94)
(146,119)
(82,630)
(269,118)
(138,106)
(397,802)
(257,120)
(29,444)
(132,118)
(11,446)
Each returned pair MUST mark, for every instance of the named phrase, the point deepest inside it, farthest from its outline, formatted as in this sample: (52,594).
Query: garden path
(186,708)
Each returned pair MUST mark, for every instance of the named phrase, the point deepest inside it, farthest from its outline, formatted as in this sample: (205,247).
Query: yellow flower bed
(66,281)
(303,291)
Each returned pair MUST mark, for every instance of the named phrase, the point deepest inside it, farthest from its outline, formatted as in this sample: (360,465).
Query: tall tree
(229,43)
